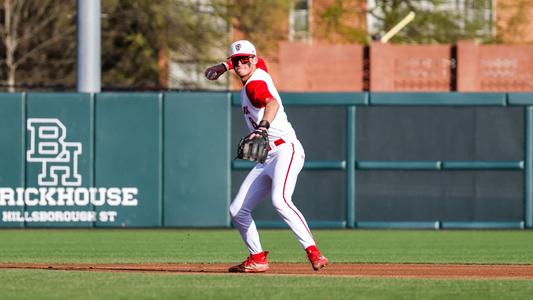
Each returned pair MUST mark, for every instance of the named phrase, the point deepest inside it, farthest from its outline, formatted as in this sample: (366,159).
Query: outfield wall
(374,160)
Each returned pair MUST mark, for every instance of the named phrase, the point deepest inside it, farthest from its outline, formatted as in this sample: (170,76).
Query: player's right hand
(213,72)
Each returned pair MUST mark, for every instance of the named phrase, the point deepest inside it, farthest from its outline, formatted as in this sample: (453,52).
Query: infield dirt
(432,271)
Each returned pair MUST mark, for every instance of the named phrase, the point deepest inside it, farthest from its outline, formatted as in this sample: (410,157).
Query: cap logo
(238,47)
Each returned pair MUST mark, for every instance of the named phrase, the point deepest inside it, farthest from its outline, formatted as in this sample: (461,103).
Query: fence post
(528,168)
(350,165)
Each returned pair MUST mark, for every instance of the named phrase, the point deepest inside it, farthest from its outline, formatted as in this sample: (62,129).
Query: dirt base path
(435,271)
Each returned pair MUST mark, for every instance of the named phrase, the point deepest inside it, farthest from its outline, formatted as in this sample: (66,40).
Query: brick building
(307,32)
(320,46)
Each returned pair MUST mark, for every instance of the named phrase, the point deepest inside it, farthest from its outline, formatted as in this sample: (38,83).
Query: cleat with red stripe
(255,263)
(317,260)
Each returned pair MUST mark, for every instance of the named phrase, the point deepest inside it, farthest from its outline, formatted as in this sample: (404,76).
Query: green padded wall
(12,115)
(71,115)
(128,153)
(197,159)
(164,159)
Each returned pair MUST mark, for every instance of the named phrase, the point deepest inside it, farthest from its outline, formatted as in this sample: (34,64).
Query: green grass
(146,246)
(364,246)
(26,284)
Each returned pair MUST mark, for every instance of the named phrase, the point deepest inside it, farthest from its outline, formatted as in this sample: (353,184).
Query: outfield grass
(148,246)
(361,246)
(41,284)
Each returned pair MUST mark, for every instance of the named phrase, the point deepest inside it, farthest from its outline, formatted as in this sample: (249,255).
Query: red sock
(311,249)
(259,256)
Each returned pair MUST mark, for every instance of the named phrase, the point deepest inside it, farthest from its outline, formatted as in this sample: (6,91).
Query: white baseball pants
(277,176)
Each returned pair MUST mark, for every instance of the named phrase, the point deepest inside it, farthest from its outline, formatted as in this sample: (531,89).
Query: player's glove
(213,72)
(254,146)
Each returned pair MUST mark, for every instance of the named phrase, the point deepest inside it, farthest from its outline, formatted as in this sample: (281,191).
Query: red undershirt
(258,93)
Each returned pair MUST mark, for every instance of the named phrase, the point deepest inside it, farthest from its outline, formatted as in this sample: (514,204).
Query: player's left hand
(254,146)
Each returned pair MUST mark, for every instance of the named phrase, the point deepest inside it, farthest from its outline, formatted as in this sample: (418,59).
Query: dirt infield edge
(433,271)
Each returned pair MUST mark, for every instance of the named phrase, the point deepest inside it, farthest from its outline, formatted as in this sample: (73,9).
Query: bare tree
(38,38)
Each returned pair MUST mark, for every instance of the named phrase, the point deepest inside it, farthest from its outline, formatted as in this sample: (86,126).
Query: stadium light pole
(89,41)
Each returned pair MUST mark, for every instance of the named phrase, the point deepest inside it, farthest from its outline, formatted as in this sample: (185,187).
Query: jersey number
(245,111)
(254,125)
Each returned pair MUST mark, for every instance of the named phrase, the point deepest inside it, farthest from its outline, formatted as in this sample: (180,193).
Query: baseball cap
(242,48)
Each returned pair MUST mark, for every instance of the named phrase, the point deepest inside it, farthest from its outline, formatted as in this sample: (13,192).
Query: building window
(299,21)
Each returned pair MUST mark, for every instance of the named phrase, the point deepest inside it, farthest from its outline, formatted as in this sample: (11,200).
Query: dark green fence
(350,164)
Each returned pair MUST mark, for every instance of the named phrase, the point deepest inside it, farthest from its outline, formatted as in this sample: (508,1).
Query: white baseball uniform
(277,175)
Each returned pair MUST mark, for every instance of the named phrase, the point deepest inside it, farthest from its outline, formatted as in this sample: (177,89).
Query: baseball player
(264,113)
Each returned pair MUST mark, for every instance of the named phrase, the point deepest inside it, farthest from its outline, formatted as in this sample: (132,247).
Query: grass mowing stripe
(484,247)
(224,245)
(15,284)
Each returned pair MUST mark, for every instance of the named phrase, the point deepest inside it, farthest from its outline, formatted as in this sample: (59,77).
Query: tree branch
(36,49)
(36,29)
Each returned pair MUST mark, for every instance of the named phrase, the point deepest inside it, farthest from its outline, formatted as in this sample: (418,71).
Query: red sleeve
(258,93)
(261,64)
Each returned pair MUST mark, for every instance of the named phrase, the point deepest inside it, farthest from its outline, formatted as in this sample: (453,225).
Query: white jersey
(280,127)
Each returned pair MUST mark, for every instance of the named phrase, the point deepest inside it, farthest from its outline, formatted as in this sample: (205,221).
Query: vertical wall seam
(92,134)
(228,172)
(161,196)
(24,171)
(350,165)
(506,99)
(528,168)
